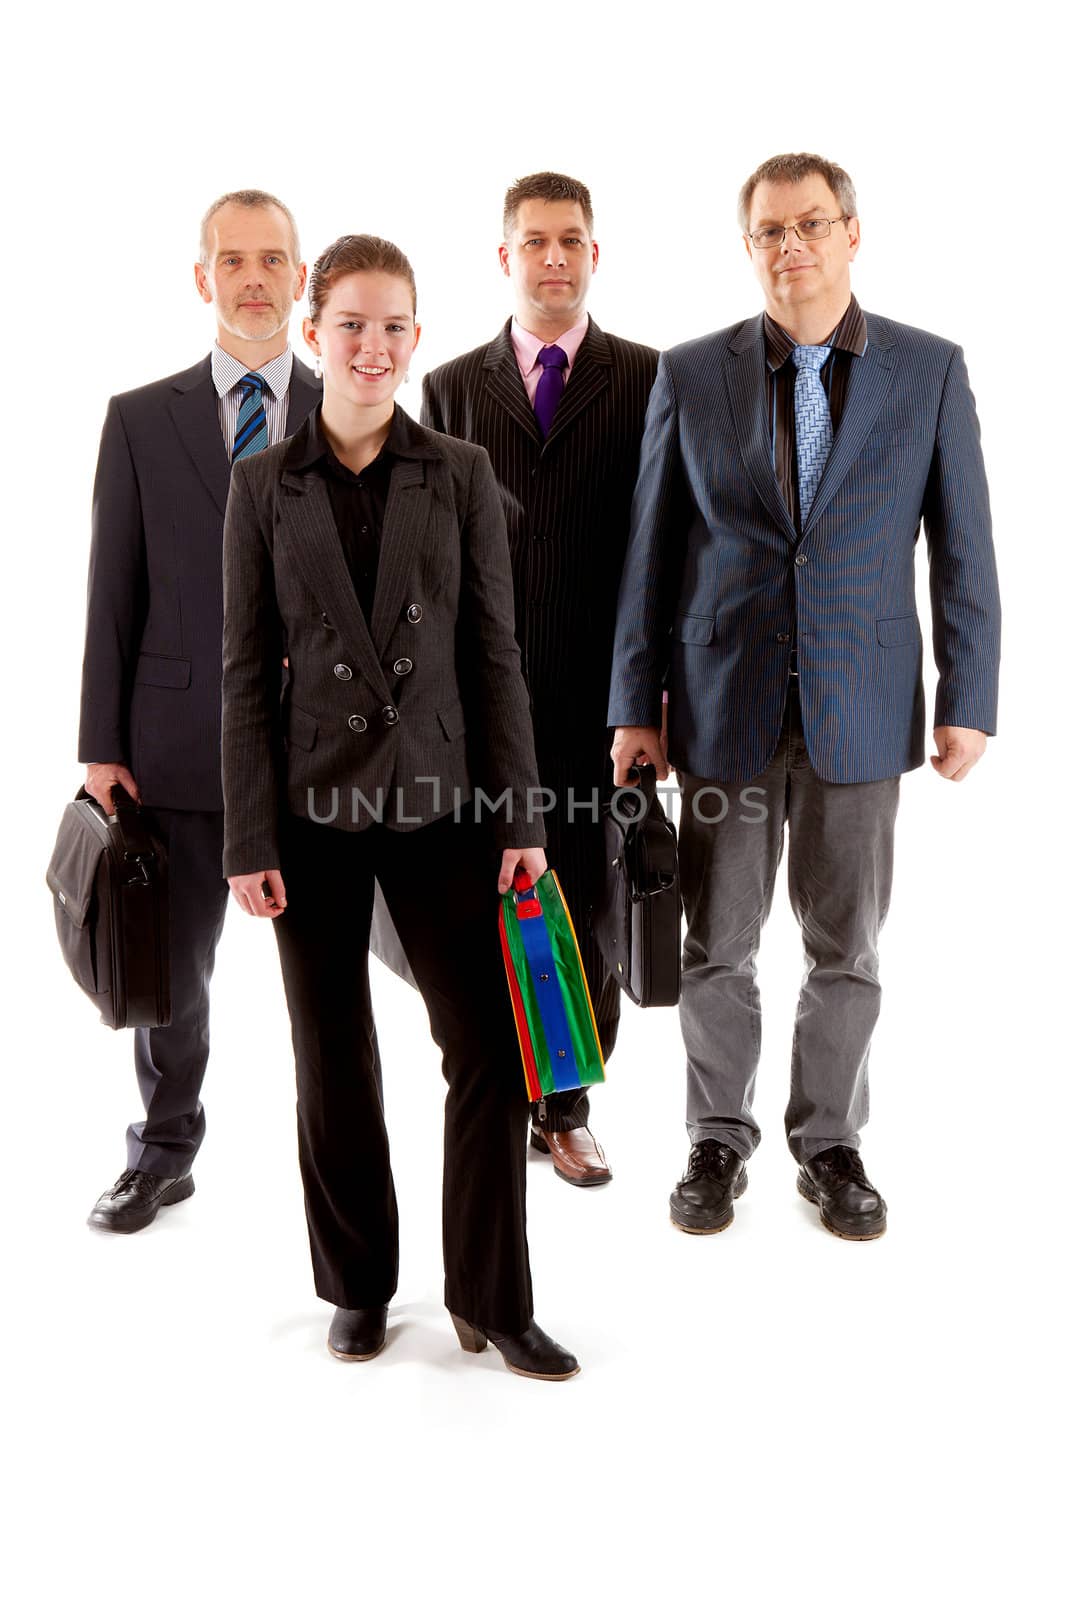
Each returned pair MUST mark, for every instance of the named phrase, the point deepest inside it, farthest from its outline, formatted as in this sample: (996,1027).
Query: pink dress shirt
(528,347)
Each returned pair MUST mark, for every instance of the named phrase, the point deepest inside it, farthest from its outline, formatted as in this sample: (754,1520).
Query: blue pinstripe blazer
(718,586)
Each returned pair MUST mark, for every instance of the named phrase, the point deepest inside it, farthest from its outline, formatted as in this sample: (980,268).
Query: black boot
(848,1202)
(530,1355)
(357,1335)
(704,1200)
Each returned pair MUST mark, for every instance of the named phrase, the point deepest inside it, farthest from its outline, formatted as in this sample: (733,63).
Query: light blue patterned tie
(815,432)
(251,435)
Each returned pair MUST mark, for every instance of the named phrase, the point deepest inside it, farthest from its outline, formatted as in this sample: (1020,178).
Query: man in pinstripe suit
(152,674)
(559,405)
(787,465)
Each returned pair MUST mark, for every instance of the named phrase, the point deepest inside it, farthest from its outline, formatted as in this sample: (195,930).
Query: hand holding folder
(549,994)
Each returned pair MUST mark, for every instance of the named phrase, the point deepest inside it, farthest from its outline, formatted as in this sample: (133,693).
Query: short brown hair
(791,169)
(545,186)
(356,252)
(250,198)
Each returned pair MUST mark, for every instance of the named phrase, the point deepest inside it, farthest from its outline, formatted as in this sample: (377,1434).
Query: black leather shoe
(704,1200)
(133,1201)
(357,1335)
(529,1355)
(848,1202)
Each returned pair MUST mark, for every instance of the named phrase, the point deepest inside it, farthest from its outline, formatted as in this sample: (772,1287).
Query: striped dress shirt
(226,374)
(848,338)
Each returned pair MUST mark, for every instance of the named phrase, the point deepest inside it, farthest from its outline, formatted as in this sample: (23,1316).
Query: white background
(772,1411)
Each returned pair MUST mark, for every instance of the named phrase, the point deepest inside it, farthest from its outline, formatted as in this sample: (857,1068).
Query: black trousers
(439,883)
(171,1062)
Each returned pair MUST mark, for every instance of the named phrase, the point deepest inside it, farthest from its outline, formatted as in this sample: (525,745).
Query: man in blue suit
(786,467)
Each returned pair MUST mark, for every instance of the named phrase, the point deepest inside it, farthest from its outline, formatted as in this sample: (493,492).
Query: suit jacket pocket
(694,630)
(163,672)
(302,729)
(451,720)
(899,630)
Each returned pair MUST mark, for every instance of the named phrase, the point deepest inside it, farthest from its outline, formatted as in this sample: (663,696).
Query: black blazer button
(402,667)
(783,638)
(415,613)
(342,672)
(390,716)
(358,724)
(326,621)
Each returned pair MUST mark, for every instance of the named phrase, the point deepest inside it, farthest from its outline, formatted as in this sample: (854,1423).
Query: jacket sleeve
(252,647)
(650,575)
(500,738)
(117,599)
(964,596)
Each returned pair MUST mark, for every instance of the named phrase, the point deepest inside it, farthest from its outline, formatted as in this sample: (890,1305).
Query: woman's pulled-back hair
(356,252)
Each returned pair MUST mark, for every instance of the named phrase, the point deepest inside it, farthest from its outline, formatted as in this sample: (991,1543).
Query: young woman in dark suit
(372,554)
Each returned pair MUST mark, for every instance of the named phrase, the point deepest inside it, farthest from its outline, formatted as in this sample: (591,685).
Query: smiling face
(809,276)
(550,258)
(365,336)
(251,275)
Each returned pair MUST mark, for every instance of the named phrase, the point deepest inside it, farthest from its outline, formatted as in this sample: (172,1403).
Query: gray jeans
(840,872)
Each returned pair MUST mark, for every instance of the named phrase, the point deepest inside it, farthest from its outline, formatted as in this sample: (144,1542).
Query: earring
(407,377)
(318,366)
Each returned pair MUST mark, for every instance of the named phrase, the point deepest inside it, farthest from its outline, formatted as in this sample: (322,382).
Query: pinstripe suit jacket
(718,586)
(567,506)
(457,711)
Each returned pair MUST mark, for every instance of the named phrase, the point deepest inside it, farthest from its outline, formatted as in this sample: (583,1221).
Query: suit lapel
(503,381)
(406,513)
(194,408)
(868,386)
(305,392)
(306,525)
(195,412)
(591,376)
(746,381)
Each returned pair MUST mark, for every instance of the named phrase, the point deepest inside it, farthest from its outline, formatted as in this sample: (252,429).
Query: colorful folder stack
(549,995)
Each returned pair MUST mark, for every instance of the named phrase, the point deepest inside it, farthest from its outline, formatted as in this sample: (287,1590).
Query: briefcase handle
(626,798)
(129,824)
(134,839)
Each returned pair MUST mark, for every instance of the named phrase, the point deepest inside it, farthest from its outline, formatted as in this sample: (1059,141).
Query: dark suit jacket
(719,587)
(567,505)
(152,673)
(456,712)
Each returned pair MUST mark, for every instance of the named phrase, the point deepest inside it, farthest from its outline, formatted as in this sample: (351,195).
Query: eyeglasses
(811,228)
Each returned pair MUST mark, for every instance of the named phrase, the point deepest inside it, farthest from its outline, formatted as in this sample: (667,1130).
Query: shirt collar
(314,447)
(226,370)
(528,346)
(850,334)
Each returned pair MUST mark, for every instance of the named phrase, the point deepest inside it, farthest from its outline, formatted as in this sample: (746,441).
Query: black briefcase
(108,877)
(637,919)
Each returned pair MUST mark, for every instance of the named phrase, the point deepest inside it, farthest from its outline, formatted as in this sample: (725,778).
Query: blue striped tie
(251,435)
(815,433)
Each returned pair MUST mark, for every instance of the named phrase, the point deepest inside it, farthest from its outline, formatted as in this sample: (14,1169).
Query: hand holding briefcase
(108,877)
(637,920)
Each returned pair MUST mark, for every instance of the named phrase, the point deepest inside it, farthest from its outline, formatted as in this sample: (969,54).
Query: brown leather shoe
(576,1156)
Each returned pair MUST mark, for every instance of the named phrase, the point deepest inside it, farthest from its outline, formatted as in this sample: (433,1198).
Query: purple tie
(549,386)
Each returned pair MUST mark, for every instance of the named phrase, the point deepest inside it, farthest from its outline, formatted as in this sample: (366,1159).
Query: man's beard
(260,331)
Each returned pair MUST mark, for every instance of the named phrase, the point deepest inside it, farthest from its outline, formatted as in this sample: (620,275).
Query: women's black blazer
(401,715)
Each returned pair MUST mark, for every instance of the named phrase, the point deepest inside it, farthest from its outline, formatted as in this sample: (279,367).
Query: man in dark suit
(787,465)
(152,674)
(559,405)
